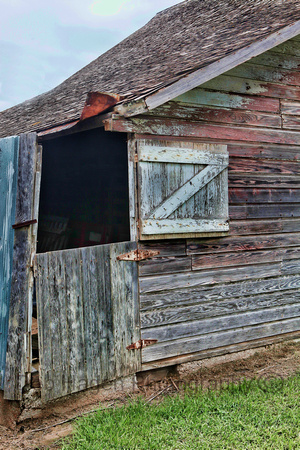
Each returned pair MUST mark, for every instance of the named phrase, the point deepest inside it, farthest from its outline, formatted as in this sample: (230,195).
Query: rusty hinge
(138,255)
(24,224)
(142,343)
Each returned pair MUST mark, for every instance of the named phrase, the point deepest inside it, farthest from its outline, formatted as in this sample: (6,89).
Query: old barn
(150,205)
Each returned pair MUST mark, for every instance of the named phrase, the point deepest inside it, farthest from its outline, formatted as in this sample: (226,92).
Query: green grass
(251,415)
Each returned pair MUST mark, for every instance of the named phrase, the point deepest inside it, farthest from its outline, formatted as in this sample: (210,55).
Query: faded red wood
(159,126)
(218,115)
(246,195)
(263,180)
(247,227)
(263,166)
(291,122)
(282,152)
(288,107)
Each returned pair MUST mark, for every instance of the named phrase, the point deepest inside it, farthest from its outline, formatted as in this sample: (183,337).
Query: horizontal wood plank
(169,127)
(263,166)
(288,107)
(264,73)
(229,83)
(243,258)
(261,180)
(246,227)
(259,151)
(242,243)
(215,324)
(168,264)
(268,210)
(195,296)
(290,122)
(254,195)
(217,115)
(209,277)
(221,339)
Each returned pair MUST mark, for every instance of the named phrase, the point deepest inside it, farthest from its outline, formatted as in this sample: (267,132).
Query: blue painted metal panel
(8,187)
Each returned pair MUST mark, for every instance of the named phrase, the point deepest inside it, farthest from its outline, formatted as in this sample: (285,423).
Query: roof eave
(207,73)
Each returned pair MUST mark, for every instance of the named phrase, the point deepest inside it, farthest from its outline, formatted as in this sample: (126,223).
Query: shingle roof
(177,41)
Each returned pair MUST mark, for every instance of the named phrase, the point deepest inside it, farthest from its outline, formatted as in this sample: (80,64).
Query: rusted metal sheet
(98,102)
(63,127)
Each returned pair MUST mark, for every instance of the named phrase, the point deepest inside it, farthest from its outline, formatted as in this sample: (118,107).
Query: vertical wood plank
(8,183)
(21,287)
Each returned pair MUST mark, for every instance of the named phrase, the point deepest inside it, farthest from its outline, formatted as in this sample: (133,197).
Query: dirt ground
(280,360)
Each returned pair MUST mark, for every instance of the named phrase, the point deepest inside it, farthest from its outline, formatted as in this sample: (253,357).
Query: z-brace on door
(20,170)
(88,314)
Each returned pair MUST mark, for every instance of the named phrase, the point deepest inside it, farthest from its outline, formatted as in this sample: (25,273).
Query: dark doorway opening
(84,191)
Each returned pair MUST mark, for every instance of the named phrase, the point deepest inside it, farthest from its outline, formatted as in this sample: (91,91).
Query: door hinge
(142,343)
(138,255)
(24,224)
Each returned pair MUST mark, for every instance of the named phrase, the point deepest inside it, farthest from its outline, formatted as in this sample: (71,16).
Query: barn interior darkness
(84,191)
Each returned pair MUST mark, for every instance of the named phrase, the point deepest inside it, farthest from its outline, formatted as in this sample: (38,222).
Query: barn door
(182,189)
(8,188)
(20,164)
(88,314)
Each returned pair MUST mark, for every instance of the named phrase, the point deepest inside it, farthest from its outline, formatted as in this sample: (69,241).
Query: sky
(44,42)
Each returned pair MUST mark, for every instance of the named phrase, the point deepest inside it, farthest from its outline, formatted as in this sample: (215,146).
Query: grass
(252,415)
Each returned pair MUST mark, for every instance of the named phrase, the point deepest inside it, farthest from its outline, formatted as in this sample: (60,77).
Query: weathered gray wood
(210,154)
(195,296)
(239,228)
(210,341)
(270,210)
(243,258)
(263,180)
(21,288)
(87,313)
(219,351)
(9,148)
(207,277)
(266,73)
(256,195)
(193,327)
(132,189)
(181,195)
(242,243)
(292,108)
(169,264)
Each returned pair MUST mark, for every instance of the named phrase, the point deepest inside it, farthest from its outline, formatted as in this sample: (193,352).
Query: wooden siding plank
(262,180)
(242,243)
(239,228)
(256,211)
(202,295)
(165,248)
(8,185)
(243,258)
(165,265)
(290,123)
(200,96)
(217,115)
(259,151)
(176,127)
(265,73)
(274,59)
(263,166)
(221,339)
(191,328)
(290,47)
(288,107)
(254,195)
(229,83)
(21,287)
(189,314)
(209,277)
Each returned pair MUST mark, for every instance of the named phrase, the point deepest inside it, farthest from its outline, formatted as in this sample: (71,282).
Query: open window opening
(84,191)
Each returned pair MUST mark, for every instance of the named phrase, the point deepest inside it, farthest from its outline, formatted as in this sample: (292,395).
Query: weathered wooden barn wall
(206,296)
